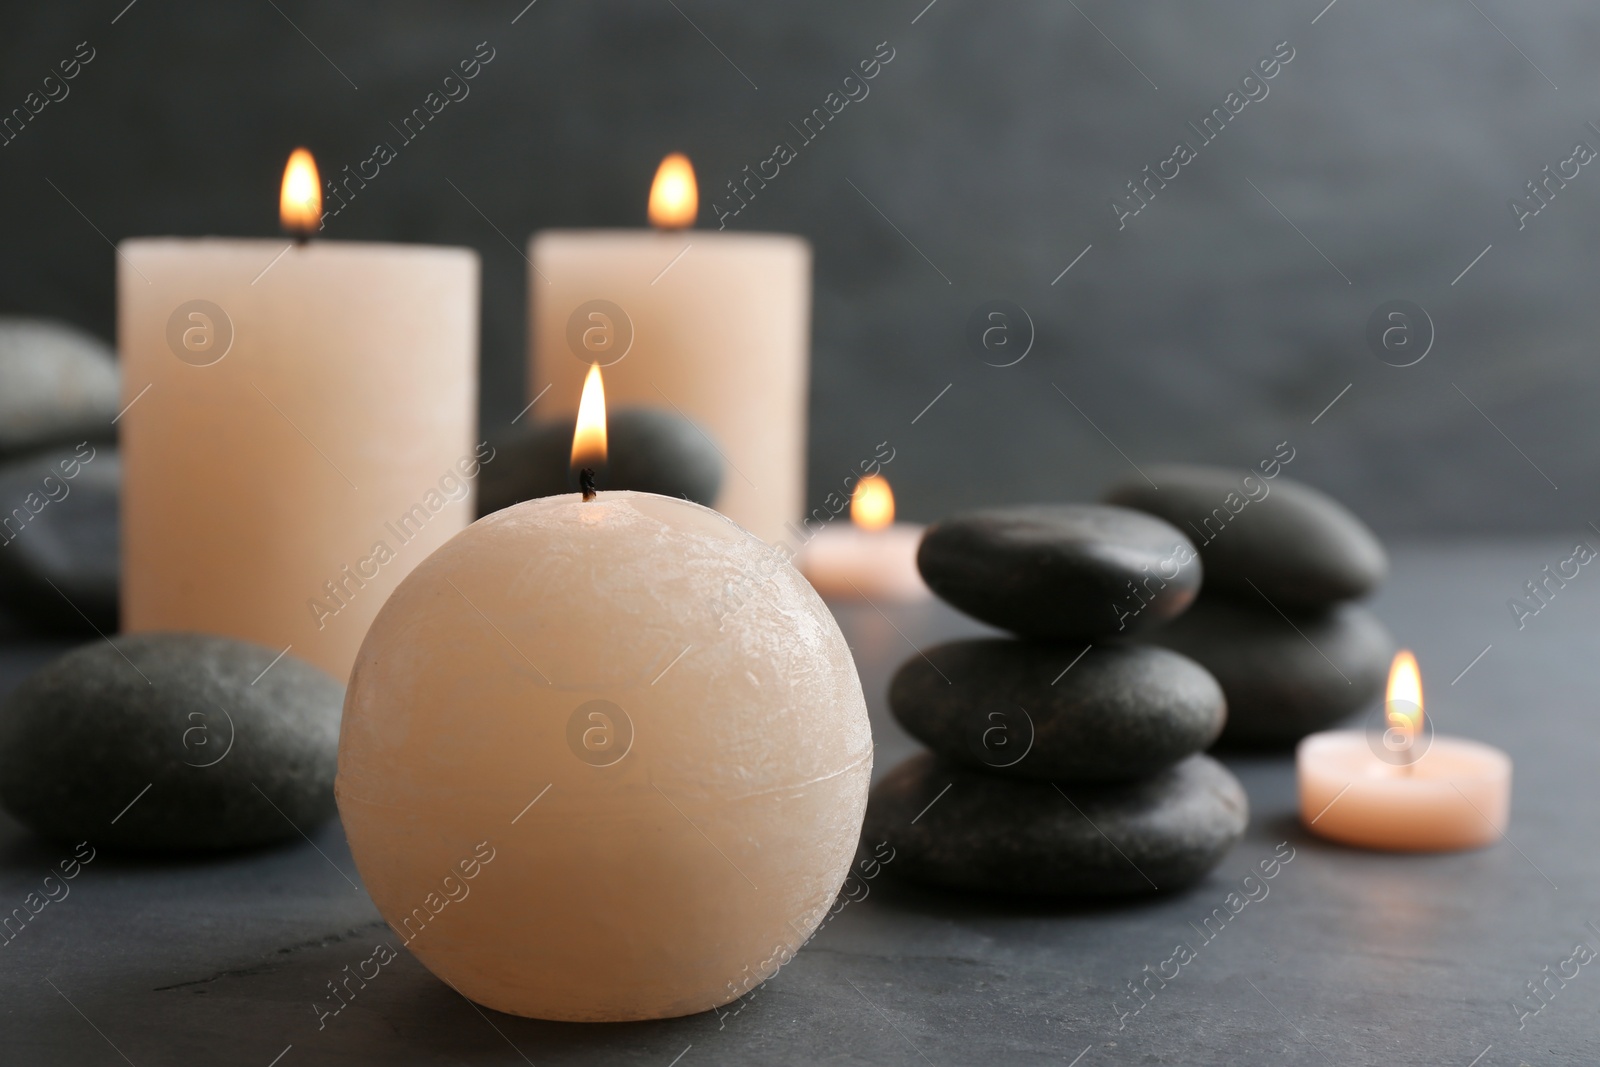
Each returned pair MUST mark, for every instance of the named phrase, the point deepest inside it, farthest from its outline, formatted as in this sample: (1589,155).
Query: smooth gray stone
(999,835)
(59,529)
(1121,712)
(1061,571)
(57,384)
(651,451)
(1299,546)
(228,763)
(1284,678)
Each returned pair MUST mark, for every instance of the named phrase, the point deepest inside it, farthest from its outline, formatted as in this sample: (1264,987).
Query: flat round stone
(1061,571)
(971,830)
(1284,677)
(59,558)
(58,384)
(171,742)
(1298,546)
(650,450)
(1026,710)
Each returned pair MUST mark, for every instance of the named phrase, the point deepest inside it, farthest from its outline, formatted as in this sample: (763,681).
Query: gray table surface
(1352,957)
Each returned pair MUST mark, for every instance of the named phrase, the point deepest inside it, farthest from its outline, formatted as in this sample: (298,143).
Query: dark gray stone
(1284,677)
(1299,546)
(1062,571)
(59,529)
(231,756)
(1037,838)
(57,384)
(1119,713)
(651,451)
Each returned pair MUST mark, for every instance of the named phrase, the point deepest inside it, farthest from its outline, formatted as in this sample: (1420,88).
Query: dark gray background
(1207,330)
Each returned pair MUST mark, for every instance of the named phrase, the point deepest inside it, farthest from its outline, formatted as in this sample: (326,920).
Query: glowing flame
(674,197)
(589,436)
(1403,701)
(300,203)
(872,504)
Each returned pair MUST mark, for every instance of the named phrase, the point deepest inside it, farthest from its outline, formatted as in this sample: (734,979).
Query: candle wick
(586,483)
(302,239)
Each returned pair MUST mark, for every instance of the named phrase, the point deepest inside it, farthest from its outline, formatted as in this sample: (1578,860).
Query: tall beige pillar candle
(298,432)
(714,325)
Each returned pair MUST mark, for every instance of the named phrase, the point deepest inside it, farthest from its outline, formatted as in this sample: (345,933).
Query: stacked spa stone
(649,451)
(59,477)
(1065,761)
(1276,625)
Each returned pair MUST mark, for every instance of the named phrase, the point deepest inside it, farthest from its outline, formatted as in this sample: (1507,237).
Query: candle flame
(674,197)
(1403,700)
(589,436)
(872,504)
(300,203)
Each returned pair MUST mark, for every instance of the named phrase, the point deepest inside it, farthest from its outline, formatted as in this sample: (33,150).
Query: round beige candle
(650,723)
(298,432)
(1402,791)
(871,557)
(714,325)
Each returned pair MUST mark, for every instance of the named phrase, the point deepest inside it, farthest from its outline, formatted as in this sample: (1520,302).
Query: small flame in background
(674,196)
(589,436)
(300,202)
(1403,700)
(872,504)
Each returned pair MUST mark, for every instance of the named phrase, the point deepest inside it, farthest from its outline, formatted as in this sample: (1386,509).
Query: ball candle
(297,427)
(1403,789)
(713,325)
(872,557)
(648,720)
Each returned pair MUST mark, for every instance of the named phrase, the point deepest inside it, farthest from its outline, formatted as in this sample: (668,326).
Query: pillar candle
(298,432)
(713,325)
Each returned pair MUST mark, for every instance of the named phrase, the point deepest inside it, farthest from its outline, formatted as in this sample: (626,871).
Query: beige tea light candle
(298,427)
(647,715)
(1406,791)
(872,557)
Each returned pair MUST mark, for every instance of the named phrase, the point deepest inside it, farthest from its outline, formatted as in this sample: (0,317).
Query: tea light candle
(872,557)
(648,720)
(1404,790)
(298,427)
(713,325)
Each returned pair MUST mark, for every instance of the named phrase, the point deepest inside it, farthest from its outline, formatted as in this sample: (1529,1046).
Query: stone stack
(59,477)
(1064,762)
(1276,625)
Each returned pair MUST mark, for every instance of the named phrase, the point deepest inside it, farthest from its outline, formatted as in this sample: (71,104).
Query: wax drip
(586,483)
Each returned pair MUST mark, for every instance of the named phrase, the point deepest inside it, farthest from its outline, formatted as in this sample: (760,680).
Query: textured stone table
(1351,958)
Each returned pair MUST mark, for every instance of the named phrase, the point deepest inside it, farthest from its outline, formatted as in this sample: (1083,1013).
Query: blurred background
(1220,320)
